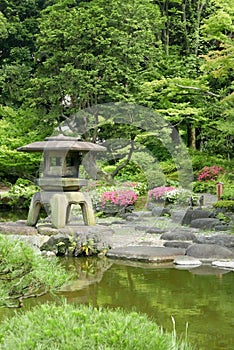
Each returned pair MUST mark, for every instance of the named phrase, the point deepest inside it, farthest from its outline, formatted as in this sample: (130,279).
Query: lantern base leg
(60,204)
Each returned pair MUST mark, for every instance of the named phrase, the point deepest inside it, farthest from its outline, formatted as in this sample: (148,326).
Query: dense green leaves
(173,56)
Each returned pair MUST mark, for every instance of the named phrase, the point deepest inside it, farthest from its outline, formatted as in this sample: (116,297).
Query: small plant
(89,248)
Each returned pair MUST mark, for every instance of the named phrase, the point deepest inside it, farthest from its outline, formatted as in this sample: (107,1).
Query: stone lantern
(60,183)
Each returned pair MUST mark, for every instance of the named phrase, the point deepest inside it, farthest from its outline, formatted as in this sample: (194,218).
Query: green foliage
(204,186)
(63,327)
(20,194)
(25,274)
(225,204)
(228,192)
(202,159)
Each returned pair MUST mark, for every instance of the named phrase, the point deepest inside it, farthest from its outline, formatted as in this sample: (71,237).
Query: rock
(47,230)
(159,211)
(186,260)
(47,254)
(219,239)
(209,251)
(59,244)
(223,227)
(146,254)
(205,223)
(79,240)
(178,235)
(144,214)
(191,215)
(177,216)
(141,228)
(224,264)
(155,230)
(177,244)
(17,228)
(36,240)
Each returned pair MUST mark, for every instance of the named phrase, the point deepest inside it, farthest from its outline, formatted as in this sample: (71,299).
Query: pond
(202,297)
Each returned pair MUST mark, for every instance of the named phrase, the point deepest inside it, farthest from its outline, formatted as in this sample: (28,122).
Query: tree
(219,70)
(92,53)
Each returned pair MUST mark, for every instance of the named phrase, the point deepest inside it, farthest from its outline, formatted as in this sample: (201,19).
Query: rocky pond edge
(139,236)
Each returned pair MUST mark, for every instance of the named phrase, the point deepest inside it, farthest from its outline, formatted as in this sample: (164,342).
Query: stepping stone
(178,236)
(155,230)
(187,260)
(209,251)
(146,254)
(224,264)
(17,228)
(177,244)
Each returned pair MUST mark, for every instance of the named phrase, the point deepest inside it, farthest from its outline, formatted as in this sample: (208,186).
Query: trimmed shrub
(69,327)
(225,205)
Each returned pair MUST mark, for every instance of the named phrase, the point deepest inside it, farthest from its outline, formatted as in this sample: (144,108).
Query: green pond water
(202,297)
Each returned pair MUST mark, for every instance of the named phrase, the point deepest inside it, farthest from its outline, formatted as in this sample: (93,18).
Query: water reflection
(201,296)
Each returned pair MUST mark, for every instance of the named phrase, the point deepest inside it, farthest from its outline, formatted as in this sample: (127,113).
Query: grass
(67,327)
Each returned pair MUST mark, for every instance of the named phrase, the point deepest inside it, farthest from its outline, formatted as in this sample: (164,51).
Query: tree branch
(122,165)
(199,89)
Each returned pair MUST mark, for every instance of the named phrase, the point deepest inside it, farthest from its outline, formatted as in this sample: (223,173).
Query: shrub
(157,193)
(180,196)
(118,200)
(210,173)
(172,195)
(204,186)
(21,193)
(67,327)
(225,205)
(25,274)
(228,192)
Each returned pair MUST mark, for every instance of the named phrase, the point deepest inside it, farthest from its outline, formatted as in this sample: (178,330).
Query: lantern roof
(61,143)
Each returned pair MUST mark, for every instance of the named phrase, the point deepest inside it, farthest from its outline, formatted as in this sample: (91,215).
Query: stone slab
(17,228)
(145,253)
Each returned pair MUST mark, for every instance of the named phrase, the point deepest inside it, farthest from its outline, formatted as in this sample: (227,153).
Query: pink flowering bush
(210,173)
(158,193)
(118,199)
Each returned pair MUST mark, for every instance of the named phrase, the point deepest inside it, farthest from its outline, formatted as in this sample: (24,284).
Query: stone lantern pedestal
(60,183)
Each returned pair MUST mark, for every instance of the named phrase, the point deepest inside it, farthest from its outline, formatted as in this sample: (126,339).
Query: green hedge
(225,205)
(68,327)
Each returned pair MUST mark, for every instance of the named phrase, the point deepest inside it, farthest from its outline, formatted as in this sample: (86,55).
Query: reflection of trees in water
(204,301)
(86,271)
